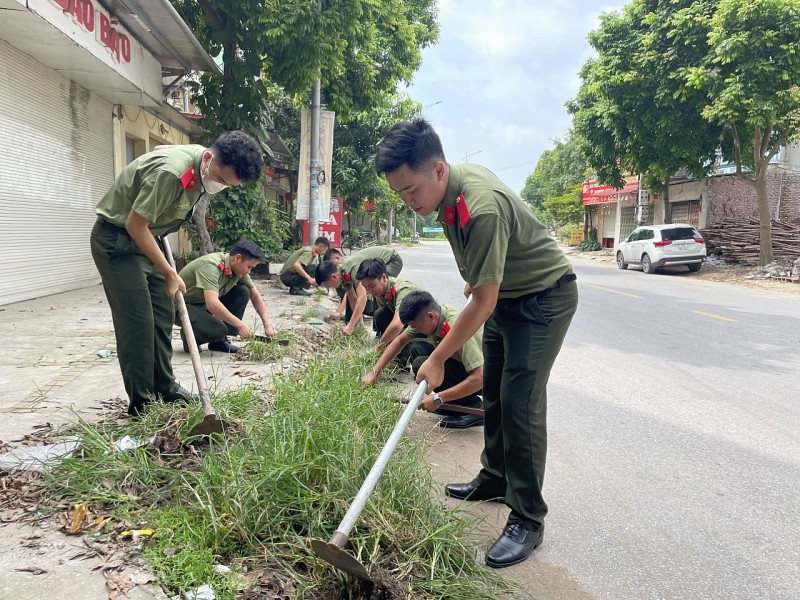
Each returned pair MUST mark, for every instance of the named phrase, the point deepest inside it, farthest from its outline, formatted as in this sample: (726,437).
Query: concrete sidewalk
(50,372)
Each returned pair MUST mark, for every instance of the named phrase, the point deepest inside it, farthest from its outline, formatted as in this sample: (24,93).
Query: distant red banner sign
(594,193)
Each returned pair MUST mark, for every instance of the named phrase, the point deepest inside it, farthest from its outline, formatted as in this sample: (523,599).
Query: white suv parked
(657,246)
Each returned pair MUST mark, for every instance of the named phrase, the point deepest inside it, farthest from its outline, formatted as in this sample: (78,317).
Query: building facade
(81,95)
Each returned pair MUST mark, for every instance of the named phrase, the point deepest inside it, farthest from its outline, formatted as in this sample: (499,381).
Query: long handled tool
(210,423)
(333,550)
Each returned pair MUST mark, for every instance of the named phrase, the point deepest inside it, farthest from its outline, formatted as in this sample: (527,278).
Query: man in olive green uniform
(463,371)
(154,196)
(523,290)
(389,293)
(218,286)
(298,271)
(339,273)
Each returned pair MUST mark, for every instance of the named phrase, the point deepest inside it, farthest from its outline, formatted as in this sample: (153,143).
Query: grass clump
(284,475)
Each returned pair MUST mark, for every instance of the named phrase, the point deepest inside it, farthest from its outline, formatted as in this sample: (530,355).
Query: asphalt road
(674,436)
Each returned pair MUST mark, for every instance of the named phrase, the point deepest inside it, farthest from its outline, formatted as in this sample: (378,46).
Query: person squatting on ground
(153,196)
(218,286)
(463,371)
(339,273)
(524,292)
(298,271)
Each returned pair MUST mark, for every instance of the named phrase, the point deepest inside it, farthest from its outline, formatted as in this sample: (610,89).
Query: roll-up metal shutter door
(56,161)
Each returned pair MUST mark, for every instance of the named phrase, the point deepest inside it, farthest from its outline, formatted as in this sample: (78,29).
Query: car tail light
(699,241)
(662,243)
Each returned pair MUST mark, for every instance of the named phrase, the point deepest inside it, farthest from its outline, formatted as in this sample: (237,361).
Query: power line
(530,162)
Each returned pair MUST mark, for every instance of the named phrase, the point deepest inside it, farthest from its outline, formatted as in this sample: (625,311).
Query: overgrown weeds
(284,475)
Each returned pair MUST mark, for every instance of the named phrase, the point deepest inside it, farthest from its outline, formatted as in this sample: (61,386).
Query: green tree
(750,77)
(361,49)
(550,189)
(633,111)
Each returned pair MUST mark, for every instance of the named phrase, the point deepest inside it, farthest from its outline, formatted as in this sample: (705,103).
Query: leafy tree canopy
(633,110)
(551,188)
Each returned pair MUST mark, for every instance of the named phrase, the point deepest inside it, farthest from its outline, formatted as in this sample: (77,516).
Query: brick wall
(731,198)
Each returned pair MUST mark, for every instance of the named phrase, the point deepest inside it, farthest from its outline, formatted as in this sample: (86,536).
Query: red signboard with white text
(331,230)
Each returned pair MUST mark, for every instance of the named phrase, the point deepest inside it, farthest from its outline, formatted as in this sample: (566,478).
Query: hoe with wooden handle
(211,423)
(333,551)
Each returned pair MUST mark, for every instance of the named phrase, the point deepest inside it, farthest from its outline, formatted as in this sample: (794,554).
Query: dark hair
(331,252)
(372,268)
(324,271)
(322,241)
(248,249)
(241,152)
(415,304)
(413,143)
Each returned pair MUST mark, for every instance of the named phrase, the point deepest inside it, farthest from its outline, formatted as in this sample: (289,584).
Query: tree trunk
(199,220)
(667,204)
(765,224)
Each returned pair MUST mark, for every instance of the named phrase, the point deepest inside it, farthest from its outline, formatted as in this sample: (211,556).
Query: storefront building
(81,95)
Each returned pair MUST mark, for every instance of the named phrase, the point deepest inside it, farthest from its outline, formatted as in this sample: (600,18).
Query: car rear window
(679,233)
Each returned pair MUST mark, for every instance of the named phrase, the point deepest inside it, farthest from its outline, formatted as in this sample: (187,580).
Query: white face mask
(210,185)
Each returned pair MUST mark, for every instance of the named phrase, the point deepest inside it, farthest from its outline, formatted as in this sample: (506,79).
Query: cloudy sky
(502,71)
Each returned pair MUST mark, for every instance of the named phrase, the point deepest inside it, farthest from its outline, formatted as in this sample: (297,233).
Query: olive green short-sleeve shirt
(495,237)
(471,353)
(396,292)
(351,263)
(306,257)
(161,186)
(211,272)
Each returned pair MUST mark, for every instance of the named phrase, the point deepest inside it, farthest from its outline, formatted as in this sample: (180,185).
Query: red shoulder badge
(391,295)
(449,215)
(225,270)
(346,277)
(188,180)
(444,329)
(463,211)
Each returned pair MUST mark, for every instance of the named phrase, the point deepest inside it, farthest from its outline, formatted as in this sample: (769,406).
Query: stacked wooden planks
(738,240)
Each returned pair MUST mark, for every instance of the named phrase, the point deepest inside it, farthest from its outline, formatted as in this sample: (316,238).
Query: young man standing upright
(524,292)
(154,196)
(218,286)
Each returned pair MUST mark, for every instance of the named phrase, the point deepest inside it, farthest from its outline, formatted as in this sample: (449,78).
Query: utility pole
(313,198)
(469,155)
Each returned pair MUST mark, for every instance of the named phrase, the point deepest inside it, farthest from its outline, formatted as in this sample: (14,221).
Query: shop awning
(627,189)
(159,27)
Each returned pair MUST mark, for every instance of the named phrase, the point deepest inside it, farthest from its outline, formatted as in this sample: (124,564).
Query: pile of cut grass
(285,474)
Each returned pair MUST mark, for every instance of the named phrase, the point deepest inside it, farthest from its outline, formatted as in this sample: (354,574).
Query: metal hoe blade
(333,550)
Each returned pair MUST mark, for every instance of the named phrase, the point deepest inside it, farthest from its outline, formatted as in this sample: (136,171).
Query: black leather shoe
(296,291)
(181,395)
(461,421)
(223,346)
(473,492)
(514,545)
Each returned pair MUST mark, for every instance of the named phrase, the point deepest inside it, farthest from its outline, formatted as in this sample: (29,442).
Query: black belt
(565,278)
(102,221)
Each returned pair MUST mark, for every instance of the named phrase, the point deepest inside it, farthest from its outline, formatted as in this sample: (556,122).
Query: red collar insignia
(188,180)
(391,295)
(449,215)
(346,277)
(463,211)
(444,330)
(225,270)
